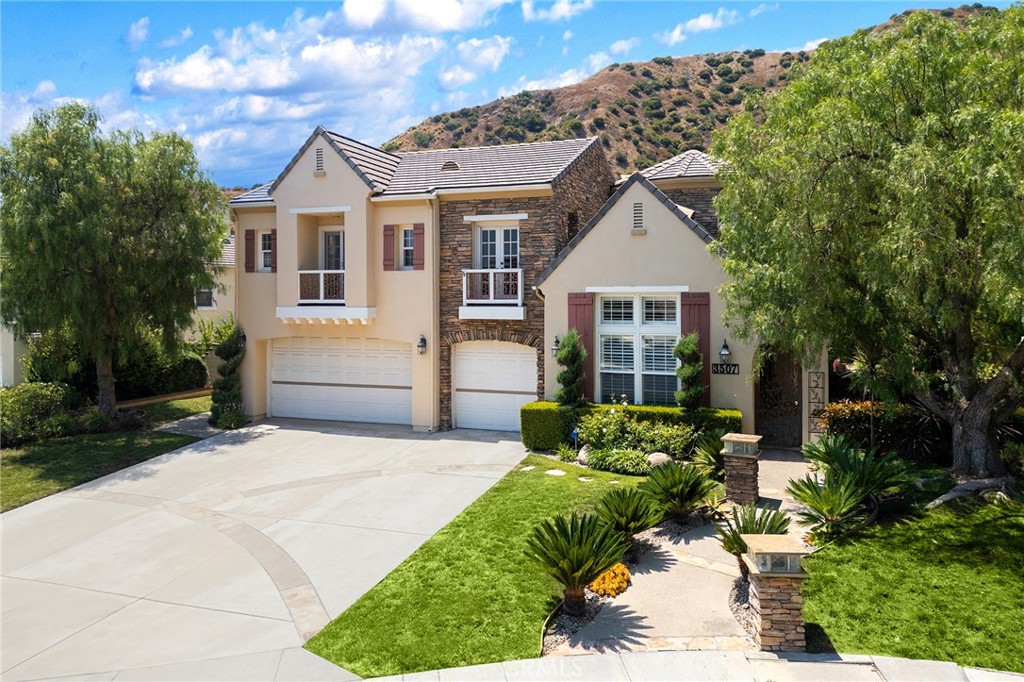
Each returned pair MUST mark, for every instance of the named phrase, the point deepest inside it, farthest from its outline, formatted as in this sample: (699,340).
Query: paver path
(241,545)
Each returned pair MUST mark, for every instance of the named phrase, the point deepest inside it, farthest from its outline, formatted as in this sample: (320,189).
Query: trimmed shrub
(545,425)
(691,363)
(34,411)
(227,410)
(572,356)
(672,439)
(629,462)
(187,373)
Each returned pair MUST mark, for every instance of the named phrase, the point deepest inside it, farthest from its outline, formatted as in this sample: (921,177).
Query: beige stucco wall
(223,298)
(11,353)
(405,301)
(669,254)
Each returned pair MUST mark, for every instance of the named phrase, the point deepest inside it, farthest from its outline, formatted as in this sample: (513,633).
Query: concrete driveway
(217,561)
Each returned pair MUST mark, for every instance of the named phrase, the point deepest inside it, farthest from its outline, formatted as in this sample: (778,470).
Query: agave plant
(575,550)
(750,520)
(833,506)
(629,511)
(707,455)
(680,490)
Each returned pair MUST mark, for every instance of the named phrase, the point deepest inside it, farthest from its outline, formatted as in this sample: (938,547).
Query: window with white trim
(406,249)
(636,335)
(266,251)
(497,247)
(332,249)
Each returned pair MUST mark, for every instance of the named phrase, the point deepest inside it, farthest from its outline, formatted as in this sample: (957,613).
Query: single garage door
(360,380)
(491,381)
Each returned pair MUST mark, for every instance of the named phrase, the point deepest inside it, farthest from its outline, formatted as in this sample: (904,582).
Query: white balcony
(492,294)
(322,286)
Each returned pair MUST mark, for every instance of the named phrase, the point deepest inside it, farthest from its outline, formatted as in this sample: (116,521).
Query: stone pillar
(740,457)
(776,584)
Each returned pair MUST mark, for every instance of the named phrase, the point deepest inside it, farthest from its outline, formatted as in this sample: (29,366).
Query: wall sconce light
(242,339)
(554,347)
(725,353)
(421,347)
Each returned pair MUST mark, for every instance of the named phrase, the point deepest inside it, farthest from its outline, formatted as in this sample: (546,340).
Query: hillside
(643,112)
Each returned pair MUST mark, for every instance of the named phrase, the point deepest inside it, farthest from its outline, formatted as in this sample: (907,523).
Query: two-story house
(398,288)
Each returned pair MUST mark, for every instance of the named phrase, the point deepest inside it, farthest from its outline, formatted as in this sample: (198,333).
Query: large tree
(877,202)
(104,234)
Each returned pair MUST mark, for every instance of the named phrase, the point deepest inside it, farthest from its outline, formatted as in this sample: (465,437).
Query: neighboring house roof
(635,178)
(258,195)
(530,163)
(227,251)
(692,163)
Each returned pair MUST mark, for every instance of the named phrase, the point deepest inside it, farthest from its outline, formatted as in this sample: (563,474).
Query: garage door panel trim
(321,383)
(494,391)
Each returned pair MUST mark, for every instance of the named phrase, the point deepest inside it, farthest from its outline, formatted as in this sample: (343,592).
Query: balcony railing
(492,287)
(322,286)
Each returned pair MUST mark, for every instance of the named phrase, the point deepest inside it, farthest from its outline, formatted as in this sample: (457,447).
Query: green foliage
(619,461)
(34,411)
(422,138)
(228,411)
(680,489)
(863,204)
(208,334)
(671,439)
(138,219)
(572,357)
(606,429)
(575,550)
(565,453)
(872,473)
(687,352)
(664,61)
(545,425)
(832,507)
(187,373)
(628,510)
(707,455)
(749,519)
(889,426)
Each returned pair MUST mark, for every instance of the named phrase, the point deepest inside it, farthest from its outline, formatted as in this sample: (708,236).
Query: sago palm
(680,489)
(629,511)
(575,550)
(707,455)
(750,520)
(832,507)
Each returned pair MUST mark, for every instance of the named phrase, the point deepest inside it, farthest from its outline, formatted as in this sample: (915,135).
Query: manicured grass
(945,585)
(468,595)
(36,470)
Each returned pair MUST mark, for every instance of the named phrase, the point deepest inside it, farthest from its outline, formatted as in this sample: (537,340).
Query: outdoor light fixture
(421,347)
(242,339)
(725,353)
(554,347)
(774,553)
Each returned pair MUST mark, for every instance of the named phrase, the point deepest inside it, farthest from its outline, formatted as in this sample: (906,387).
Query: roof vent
(450,166)
(319,168)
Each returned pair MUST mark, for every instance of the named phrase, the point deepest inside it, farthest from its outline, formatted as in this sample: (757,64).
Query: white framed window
(266,251)
(332,248)
(204,299)
(497,247)
(636,335)
(406,249)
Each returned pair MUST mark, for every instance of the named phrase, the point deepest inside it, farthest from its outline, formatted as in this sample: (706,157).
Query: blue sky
(248,81)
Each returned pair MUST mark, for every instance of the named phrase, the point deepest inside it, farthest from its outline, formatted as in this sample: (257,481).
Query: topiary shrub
(572,356)
(227,411)
(187,373)
(612,582)
(629,462)
(34,411)
(544,425)
(691,364)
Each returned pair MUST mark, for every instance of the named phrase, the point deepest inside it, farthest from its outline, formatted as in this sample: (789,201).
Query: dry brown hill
(643,112)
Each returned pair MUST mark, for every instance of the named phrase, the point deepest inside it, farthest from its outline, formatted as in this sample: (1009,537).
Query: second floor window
(333,250)
(407,249)
(204,298)
(266,252)
(498,248)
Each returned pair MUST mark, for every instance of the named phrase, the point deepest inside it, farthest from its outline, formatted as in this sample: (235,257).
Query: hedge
(544,425)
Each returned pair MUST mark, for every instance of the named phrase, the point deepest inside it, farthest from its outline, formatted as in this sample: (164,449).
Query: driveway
(217,561)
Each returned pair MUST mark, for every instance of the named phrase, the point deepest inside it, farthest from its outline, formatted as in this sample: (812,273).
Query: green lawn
(946,585)
(468,595)
(36,470)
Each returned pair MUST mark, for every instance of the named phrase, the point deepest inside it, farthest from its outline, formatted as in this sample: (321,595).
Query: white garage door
(360,380)
(491,381)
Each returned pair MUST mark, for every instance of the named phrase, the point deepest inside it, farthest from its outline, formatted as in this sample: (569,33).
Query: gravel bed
(563,626)
(739,604)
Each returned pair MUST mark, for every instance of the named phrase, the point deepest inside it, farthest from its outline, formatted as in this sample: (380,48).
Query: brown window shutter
(581,318)
(695,316)
(273,250)
(389,247)
(250,250)
(417,246)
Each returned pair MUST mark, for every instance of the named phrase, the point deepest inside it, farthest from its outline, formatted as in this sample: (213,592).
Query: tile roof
(253,196)
(377,164)
(227,251)
(470,167)
(692,163)
(677,211)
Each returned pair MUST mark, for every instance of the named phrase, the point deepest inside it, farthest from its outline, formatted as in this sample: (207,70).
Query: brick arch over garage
(449,340)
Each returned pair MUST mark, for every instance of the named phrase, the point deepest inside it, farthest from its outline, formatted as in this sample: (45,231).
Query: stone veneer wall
(584,190)
(699,199)
(777,603)
(741,478)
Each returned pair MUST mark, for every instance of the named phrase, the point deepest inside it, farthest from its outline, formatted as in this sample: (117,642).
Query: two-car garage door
(362,380)
(491,381)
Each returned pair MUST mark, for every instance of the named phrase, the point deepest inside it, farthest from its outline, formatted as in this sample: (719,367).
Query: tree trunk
(575,601)
(975,449)
(106,398)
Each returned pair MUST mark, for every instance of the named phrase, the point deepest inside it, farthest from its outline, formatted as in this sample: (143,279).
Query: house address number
(725,368)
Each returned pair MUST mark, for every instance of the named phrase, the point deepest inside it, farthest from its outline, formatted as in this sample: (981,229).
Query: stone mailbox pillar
(740,454)
(776,583)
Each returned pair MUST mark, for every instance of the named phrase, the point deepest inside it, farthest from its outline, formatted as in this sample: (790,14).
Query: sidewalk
(714,666)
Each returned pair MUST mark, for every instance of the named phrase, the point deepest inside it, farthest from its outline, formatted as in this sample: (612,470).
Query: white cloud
(568,35)
(363,13)
(438,16)
(137,33)
(764,7)
(457,99)
(624,46)
(44,89)
(597,61)
(177,39)
(456,77)
(565,50)
(813,44)
(699,24)
(484,53)
(560,9)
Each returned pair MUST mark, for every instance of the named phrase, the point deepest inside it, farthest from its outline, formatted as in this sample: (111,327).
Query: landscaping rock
(581,457)
(656,459)
(555,472)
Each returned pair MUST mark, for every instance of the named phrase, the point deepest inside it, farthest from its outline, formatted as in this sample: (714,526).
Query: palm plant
(575,550)
(680,490)
(707,455)
(873,473)
(824,452)
(832,507)
(750,520)
(629,511)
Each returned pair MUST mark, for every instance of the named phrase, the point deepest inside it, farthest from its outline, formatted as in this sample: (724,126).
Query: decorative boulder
(656,459)
(581,456)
